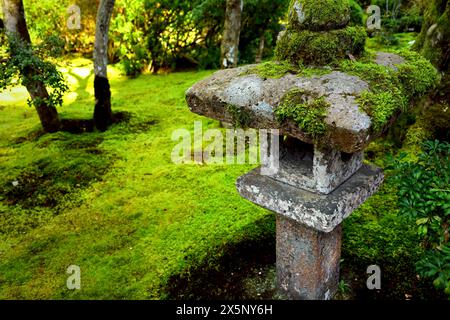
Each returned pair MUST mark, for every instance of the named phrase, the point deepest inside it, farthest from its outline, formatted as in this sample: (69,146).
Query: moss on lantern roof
(309,114)
(278,69)
(318,15)
(320,48)
(392,91)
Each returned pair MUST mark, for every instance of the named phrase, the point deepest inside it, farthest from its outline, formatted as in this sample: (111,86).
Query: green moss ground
(112,203)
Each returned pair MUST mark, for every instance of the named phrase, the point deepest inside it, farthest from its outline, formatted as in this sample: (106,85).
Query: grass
(112,203)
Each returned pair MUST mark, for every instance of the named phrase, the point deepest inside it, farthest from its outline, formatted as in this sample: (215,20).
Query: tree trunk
(433,40)
(260,52)
(433,44)
(15,23)
(231,33)
(102,112)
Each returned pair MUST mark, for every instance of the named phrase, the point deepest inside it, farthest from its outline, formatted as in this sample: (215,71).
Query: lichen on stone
(308,113)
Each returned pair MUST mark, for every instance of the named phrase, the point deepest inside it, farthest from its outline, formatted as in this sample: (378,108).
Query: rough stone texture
(349,128)
(307,261)
(320,212)
(389,60)
(316,170)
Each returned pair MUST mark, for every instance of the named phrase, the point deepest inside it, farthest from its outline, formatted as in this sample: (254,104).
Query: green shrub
(20,57)
(356,13)
(177,34)
(424,196)
(376,234)
(49,18)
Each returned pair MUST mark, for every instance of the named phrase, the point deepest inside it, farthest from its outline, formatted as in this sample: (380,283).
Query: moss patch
(308,114)
(241,118)
(417,75)
(272,69)
(320,48)
(319,14)
(391,91)
(278,69)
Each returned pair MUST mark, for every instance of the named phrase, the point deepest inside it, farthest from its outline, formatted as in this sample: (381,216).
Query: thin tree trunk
(102,112)
(260,52)
(15,23)
(231,33)
(433,40)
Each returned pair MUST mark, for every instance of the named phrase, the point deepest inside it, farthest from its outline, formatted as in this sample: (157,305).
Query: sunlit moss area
(112,203)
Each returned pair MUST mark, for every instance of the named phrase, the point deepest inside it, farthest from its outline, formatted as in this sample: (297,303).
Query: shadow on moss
(245,271)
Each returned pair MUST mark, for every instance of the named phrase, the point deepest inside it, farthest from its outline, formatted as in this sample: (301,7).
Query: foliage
(261,18)
(376,234)
(50,17)
(27,63)
(392,41)
(424,194)
(176,34)
(309,115)
(399,15)
(159,34)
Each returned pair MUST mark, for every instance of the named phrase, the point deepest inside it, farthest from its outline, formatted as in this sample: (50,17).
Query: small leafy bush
(20,60)
(424,196)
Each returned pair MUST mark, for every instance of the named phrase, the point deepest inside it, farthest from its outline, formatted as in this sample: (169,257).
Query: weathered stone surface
(307,261)
(348,126)
(313,169)
(389,60)
(320,212)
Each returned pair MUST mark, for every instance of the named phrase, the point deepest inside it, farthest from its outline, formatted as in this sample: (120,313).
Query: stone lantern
(317,106)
